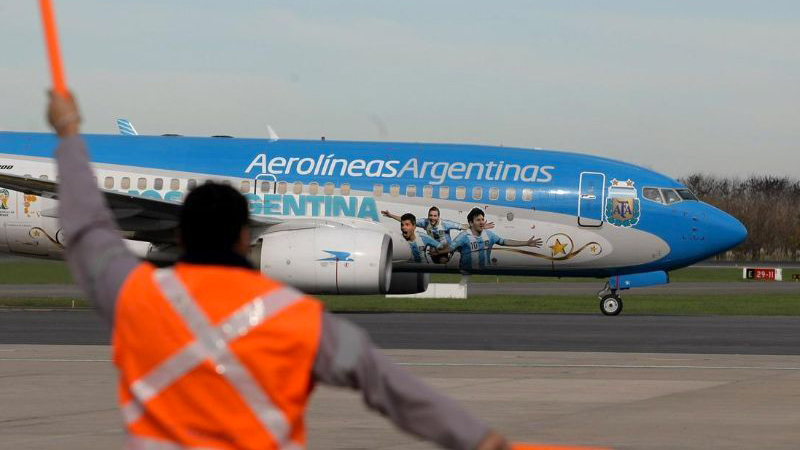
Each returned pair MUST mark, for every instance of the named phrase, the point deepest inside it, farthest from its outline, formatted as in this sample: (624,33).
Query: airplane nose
(725,231)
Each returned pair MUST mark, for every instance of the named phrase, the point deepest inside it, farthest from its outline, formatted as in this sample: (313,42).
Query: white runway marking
(596,366)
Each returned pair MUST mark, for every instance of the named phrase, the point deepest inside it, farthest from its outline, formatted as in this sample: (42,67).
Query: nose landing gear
(610,301)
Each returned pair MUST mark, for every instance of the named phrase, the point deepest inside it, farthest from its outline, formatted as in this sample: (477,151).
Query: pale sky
(678,86)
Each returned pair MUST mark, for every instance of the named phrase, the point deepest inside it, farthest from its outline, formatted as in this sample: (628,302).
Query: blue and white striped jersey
(419,247)
(467,244)
(440,232)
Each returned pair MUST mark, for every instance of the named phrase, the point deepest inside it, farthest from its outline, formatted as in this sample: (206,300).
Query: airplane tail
(126,127)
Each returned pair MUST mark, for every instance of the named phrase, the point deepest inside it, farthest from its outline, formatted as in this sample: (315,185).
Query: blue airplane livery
(343,217)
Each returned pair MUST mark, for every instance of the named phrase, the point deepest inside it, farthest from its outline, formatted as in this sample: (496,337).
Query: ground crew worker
(211,353)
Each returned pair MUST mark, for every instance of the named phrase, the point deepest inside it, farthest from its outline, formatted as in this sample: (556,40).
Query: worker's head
(476,219)
(433,216)
(408,222)
(214,218)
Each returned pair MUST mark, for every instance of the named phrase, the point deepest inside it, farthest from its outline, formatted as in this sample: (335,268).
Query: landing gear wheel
(611,304)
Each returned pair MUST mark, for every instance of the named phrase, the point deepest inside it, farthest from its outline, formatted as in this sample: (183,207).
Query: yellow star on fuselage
(558,248)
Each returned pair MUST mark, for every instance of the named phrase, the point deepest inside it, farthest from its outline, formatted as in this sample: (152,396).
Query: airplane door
(591,192)
(268,184)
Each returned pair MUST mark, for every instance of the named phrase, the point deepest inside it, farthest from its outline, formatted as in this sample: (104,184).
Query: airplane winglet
(126,127)
(272,135)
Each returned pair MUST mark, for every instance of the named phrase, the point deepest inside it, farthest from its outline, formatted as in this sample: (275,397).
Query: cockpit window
(652,194)
(670,196)
(687,194)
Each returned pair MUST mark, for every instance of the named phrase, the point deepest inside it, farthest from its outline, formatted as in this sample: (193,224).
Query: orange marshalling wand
(51,41)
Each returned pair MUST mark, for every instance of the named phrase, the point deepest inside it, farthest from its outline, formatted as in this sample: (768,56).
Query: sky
(679,86)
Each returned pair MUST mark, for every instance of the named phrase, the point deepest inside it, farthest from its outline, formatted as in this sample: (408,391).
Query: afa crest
(622,204)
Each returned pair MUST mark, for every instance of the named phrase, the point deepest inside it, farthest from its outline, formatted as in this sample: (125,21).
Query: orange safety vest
(213,357)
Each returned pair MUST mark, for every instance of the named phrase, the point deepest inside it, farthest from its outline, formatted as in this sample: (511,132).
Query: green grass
(766,304)
(777,304)
(43,302)
(34,272)
(688,274)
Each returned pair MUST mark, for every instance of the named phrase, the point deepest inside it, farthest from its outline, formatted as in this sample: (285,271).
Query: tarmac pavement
(63,396)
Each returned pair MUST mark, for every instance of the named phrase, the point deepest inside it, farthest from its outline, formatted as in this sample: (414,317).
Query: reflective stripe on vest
(211,344)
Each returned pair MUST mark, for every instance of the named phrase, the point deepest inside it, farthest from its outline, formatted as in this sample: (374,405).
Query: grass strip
(773,304)
(44,302)
(56,272)
(778,304)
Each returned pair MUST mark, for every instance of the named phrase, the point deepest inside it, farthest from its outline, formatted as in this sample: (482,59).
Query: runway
(64,397)
(625,382)
(539,288)
(519,332)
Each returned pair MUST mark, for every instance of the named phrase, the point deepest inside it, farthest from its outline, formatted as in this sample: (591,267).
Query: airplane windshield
(687,194)
(670,196)
(652,194)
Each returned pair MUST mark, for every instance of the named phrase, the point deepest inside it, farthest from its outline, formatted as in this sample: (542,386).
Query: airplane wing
(143,218)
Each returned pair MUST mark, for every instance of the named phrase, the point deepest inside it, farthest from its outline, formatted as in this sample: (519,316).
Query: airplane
(324,212)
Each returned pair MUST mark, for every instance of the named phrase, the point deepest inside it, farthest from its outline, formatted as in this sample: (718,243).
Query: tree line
(768,206)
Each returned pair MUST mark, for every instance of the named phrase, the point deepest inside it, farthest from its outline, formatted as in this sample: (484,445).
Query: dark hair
(410,217)
(212,218)
(434,208)
(475,212)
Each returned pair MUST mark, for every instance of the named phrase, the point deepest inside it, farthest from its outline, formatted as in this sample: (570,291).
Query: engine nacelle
(409,283)
(328,259)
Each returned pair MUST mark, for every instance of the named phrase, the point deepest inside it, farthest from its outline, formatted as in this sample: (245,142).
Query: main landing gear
(610,301)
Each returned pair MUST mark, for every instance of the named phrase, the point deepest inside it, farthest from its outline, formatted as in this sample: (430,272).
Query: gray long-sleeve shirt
(100,263)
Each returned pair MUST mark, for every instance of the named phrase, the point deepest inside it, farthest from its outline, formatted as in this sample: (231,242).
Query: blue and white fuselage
(595,216)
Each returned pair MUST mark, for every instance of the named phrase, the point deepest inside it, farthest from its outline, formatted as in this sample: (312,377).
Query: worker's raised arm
(347,358)
(97,256)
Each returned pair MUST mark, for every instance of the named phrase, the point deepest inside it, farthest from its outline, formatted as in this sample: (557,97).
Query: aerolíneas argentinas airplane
(325,213)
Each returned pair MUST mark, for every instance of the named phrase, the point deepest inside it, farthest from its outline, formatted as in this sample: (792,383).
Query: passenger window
(411,191)
(345,189)
(444,192)
(511,194)
(226,182)
(191,184)
(313,188)
(461,193)
(477,193)
(158,184)
(244,187)
(377,190)
(652,194)
(141,183)
(427,191)
(394,190)
(175,184)
(43,177)
(282,187)
(670,196)
(125,183)
(108,183)
(494,193)
(297,188)
(527,195)
(329,188)
(265,188)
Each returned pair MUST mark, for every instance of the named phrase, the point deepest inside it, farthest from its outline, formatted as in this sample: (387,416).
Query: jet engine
(327,259)
(409,283)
